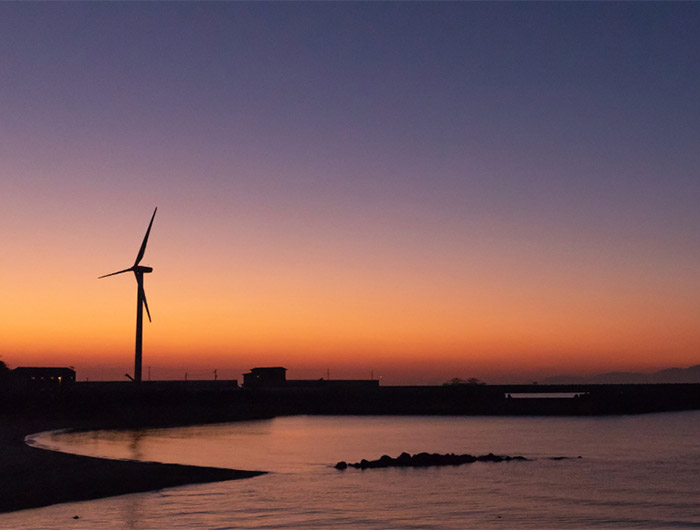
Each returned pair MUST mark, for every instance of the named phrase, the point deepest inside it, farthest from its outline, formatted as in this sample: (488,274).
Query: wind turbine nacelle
(142,269)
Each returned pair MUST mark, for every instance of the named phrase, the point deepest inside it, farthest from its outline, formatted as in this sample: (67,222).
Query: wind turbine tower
(139,271)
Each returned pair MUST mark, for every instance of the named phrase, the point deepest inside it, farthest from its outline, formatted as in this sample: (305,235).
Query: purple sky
(543,142)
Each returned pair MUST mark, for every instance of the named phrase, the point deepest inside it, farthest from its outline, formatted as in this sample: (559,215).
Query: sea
(637,471)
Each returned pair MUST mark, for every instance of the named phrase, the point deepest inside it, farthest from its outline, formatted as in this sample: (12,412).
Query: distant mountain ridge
(669,375)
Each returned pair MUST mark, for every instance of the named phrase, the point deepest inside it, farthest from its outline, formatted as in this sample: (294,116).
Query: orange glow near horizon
(435,318)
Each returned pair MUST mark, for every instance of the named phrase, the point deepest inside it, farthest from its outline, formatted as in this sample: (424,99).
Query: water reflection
(131,511)
(135,438)
(611,487)
(291,444)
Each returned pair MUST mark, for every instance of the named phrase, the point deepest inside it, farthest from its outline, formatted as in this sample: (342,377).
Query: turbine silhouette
(139,271)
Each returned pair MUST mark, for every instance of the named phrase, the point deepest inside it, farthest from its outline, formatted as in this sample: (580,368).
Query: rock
(426,460)
(385,461)
(404,459)
(490,458)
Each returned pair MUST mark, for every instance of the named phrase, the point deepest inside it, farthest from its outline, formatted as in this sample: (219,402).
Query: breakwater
(180,402)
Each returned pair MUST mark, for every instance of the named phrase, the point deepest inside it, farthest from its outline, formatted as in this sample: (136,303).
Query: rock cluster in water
(425,460)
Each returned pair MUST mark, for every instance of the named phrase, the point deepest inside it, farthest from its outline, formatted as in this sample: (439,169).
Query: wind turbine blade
(142,250)
(145,303)
(113,273)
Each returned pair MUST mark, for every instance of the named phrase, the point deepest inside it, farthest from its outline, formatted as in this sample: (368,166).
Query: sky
(405,191)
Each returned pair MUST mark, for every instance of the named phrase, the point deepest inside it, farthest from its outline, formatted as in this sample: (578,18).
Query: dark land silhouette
(177,402)
(31,477)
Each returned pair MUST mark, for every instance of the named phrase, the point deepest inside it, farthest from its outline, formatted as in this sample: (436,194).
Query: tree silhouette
(456,381)
(4,370)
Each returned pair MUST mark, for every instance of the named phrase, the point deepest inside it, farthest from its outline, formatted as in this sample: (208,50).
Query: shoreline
(33,478)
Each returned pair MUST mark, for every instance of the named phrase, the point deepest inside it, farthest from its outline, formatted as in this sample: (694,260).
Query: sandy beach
(31,477)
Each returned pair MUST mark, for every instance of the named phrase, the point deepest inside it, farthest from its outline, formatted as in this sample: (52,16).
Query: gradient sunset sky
(418,190)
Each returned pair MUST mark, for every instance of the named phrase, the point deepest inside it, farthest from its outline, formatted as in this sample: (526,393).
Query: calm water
(636,472)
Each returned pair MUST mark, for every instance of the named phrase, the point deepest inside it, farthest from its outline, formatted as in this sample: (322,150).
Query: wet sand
(31,477)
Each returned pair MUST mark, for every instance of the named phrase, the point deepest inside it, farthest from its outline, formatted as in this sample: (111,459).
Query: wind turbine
(139,271)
